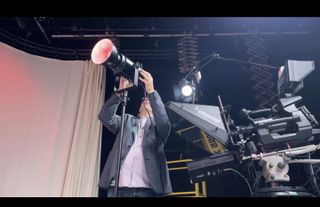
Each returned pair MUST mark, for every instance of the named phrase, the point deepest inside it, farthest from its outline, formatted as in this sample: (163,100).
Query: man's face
(145,105)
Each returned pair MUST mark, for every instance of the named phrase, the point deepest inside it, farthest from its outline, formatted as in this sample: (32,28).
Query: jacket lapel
(147,129)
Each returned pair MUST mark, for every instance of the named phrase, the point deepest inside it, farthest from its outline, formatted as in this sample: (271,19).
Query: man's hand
(124,83)
(147,80)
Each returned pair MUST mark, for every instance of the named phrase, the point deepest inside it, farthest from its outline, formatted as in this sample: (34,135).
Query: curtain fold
(50,135)
(84,160)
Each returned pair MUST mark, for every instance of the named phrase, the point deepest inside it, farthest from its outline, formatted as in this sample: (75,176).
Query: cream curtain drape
(50,135)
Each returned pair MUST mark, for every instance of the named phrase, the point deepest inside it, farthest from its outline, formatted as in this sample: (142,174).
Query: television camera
(273,139)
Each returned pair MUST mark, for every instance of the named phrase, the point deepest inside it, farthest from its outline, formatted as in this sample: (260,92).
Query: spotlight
(104,52)
(184,91)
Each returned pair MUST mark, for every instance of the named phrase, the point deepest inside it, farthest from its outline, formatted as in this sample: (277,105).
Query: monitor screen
(291,75)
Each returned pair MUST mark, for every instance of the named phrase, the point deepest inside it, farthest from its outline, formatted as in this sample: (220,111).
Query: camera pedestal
(282,191)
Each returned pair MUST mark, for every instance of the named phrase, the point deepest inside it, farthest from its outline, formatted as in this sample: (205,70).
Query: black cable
(231,169)
(246,62)
(197,68)
(218,57)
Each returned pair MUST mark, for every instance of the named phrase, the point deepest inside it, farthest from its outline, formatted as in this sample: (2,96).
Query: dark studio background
(287,38)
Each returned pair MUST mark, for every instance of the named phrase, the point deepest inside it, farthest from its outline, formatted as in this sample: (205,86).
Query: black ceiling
(142,37)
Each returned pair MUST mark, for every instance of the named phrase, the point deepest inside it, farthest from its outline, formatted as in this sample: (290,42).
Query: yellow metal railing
(196,192)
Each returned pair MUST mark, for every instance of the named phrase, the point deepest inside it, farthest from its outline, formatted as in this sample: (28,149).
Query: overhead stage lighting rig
(186,89)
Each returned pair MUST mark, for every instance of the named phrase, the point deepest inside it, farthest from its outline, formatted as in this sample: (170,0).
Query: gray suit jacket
(155,137)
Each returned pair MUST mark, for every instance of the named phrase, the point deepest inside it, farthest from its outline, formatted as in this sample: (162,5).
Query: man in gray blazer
(144,172)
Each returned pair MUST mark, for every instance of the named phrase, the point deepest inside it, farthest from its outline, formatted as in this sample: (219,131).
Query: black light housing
(185,90)
(104,52)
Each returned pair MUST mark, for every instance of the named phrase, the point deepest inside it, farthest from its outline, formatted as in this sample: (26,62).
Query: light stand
(124,100)
(194,94)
